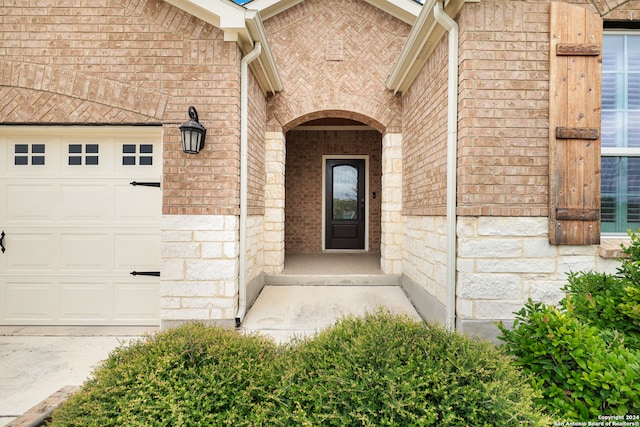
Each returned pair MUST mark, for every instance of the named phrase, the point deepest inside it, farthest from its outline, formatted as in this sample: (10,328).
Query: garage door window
(25,154)
(137,154)
(86,154)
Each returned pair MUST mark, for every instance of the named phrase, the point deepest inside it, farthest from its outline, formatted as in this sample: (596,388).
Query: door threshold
(345,251)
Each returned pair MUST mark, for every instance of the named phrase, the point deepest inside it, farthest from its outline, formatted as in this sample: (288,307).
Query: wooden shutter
(574,125)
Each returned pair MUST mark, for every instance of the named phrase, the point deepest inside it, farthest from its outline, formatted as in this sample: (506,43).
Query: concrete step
(332,280)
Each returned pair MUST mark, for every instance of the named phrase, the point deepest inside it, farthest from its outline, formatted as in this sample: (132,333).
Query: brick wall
(503,109)
(424,151)
(124,62)
(334,57)
(303,183)
(256,154)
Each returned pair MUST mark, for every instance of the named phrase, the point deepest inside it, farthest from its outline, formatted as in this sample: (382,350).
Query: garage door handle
(2,241)
(145,273)
(146,184)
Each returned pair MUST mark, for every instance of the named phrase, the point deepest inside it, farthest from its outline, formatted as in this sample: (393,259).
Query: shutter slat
(577,133)
(578,49)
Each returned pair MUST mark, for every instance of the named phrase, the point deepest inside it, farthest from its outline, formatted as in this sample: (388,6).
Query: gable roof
(242,20)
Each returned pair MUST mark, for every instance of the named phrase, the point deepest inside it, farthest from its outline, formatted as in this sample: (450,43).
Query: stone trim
(274,191)
(610,247)
(391,208)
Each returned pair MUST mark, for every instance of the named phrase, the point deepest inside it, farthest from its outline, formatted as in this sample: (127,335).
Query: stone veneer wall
(391,209)
(200,268)
(503,261)
(275,155)
(424,265)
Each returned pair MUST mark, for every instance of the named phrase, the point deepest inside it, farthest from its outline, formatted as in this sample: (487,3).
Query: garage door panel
(30,300)
(139,252)
(75,227)
(85,301)
(137,203)
(31,202)
(137,300)
(3,206)
(81,203)
(86,252)
(27,251)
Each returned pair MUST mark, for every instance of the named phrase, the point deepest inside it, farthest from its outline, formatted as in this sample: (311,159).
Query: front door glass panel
(345,193)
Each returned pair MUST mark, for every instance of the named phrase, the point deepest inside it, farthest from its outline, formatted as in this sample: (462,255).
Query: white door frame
(366,200)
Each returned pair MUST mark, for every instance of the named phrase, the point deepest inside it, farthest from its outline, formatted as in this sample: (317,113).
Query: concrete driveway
(35,362)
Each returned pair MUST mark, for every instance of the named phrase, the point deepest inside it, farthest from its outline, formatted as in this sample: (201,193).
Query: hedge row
(380,370)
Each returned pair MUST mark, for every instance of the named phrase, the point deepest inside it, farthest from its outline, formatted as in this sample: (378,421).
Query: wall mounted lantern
(193,133)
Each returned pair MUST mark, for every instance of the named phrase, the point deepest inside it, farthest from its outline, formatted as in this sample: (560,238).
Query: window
(620,188)
(24,152)
(141,154)
(76,154)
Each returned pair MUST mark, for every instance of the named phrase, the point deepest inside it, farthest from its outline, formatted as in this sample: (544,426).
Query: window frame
(613,29)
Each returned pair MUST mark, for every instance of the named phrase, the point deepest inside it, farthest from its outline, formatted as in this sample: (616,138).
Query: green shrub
(580,373)
(378,370)
(384,370)
(192,375)
(609,302)
(585,355)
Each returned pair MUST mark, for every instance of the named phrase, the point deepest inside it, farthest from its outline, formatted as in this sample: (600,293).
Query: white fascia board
(404,10)
(222,14)
(265,68)
(421,42)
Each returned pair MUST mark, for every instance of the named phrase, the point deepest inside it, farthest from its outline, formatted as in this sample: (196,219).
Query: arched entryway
(333,183)
(296,214)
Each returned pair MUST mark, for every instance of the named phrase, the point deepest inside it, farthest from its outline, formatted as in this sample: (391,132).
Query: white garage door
(75,228)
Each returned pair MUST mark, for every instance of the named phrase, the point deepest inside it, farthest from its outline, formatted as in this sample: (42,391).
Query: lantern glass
(193,133)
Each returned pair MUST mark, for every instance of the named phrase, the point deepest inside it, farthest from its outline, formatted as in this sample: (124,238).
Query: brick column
(392,220)
(274,203)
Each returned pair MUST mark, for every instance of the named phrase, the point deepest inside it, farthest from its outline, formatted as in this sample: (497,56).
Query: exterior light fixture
(193,133)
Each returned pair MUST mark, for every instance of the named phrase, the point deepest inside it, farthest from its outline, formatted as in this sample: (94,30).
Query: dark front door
(345,204)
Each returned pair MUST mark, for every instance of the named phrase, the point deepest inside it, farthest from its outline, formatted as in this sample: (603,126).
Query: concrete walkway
(284,311)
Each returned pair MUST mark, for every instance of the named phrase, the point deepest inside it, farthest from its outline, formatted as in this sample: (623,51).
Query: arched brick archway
(382,117)
(336,114)
(616,9)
